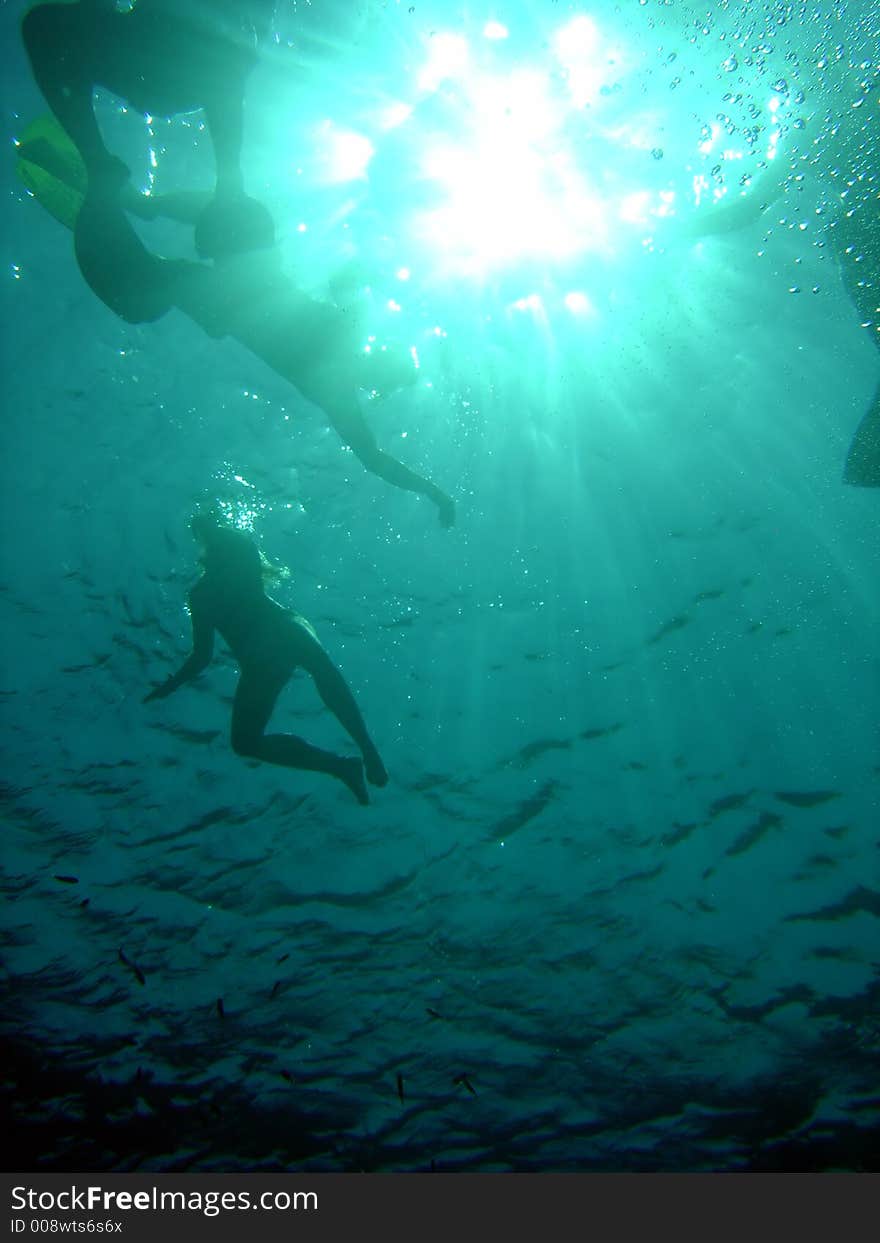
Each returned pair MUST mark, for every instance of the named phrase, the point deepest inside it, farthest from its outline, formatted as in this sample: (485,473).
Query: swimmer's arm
(348,421)
(198,659)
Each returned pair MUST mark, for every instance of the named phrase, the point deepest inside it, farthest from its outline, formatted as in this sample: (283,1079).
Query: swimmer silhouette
(839,138)
(163,57)
(855,236)
(242,293)
(269,643)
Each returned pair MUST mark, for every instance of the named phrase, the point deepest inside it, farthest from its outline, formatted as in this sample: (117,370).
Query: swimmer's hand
(445,504)
(446,509)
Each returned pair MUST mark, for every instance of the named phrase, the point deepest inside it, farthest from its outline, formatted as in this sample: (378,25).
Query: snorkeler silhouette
(269,643)
(841,146)
(242,293)
(856,239)
(846,154)
(163,57)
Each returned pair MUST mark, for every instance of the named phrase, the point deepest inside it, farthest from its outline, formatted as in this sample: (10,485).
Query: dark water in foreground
(618,907)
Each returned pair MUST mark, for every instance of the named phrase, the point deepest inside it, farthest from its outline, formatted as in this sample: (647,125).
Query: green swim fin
(52,169)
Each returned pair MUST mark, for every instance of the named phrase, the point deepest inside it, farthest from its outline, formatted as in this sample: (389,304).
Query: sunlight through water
(510,150)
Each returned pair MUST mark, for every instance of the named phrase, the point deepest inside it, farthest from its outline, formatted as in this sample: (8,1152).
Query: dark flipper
(131,281)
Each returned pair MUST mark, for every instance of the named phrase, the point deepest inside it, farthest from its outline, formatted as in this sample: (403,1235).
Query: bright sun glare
(513,188)
(542,155)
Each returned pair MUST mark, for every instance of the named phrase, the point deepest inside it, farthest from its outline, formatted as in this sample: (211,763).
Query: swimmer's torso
(166,58)
(256,629)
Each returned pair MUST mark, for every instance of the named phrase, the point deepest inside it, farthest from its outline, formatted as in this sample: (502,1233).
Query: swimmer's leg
(137,285)
(348,420)
(336,695)
(65,43)
(255,698)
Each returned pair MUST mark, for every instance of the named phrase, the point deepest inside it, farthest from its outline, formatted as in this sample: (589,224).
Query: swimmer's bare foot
(351,771)
(376,773)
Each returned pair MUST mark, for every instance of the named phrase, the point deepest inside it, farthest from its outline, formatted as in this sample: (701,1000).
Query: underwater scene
(529,351)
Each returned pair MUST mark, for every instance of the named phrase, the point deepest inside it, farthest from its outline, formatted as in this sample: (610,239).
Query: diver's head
(218,539)
(233,553)
(225,549)
(233,226)
(205,524)
(385,368)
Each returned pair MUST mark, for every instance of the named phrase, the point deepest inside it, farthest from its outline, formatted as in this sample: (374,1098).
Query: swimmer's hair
(227,546)
(273,571)
(204,521)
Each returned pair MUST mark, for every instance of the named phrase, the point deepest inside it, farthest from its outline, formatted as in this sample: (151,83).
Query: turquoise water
(618,906)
